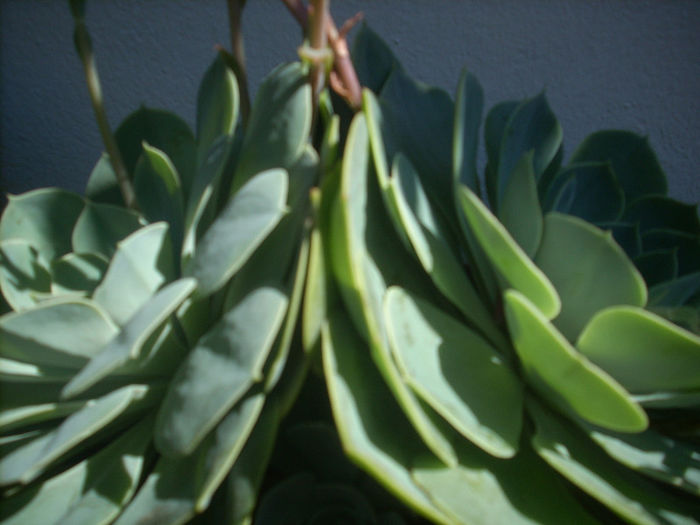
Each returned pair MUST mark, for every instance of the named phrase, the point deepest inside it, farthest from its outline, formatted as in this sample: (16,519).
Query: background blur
(629,64)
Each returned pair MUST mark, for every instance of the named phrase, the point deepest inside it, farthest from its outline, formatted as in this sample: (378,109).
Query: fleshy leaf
(508,258)
(588,269)
(368,419)
(217,105)
(456,372)
(243,224)
(218,371)
(633,161)
(142,263)
(71,332)
(469,105)
(576,458)
(101,226)
(373,59)
(563,375)
(127,345)
(279,125)
(644,352)
(24,280)
(77,273)
(656,212)
(44,218)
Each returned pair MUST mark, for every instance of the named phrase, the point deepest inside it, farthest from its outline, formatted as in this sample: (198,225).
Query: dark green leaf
(469,105)
(657,266)
(373,59)
(660,212)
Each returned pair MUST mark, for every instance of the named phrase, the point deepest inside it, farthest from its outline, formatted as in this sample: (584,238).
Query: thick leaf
(217,105)
(127,346)
(368,418)
(657,266)
(519,208)
(575,457)
(469,105)
(372,58)
(100,227)
(63,334)
(494,129)
(426,233)
(240,228)
(279,124)
(366,258)
(687,246)
(93,491)
(508,258)
(164,131)
(669,460)
(24,278)
(27,415)
(633,161)
(223,365)
(644,352)
(77,273)
(531,127)
(316,292)
(588,269)
(564,376)
(223,447)
(142,263)
(27,463)
(660,212)
(482,489)
(102,185)
(159,191)
(587,190)
(44,218)
(626,235)
(456,372)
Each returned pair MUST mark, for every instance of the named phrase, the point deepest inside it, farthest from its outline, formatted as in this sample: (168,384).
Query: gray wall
(631,64)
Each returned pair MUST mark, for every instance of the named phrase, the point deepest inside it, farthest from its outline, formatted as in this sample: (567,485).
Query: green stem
(235,13)
(84,46)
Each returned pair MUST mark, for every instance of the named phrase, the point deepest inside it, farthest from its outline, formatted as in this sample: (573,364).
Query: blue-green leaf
(101,226)
(24,278)
(241,227)
(77,273)
(469,105)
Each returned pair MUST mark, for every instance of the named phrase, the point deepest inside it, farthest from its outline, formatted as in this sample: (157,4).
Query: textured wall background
(631,64)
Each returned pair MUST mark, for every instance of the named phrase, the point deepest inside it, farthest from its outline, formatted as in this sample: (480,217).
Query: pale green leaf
(218,371)
(456,372)
(77,273)
(101,226)
(24,278)
(561,374)
(588,269)
(241,227)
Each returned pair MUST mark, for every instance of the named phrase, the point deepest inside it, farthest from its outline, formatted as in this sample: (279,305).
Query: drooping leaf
(218,371)
(127,345)
(240,228)
(142,263)
(162,130)
(576,458)
(63,333)
(469,105)
(509,259)
(561,374)
(644,352)
(456,371)
(44,218)
(368,419)
(101,226)
(217,106)
(24,278)
(279,125)
(519,208)
(588,269)
(632,160)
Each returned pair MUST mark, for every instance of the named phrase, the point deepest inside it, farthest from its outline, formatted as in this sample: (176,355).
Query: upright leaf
(469,105)
(101,226)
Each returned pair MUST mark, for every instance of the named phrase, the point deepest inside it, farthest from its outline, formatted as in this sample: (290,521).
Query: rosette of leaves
(147,356)
(499,363)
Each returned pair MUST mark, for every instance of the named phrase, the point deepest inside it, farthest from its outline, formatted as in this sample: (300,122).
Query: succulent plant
(501,364)
(528,353)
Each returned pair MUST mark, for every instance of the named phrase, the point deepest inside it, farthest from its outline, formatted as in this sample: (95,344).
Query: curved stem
(84,46)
